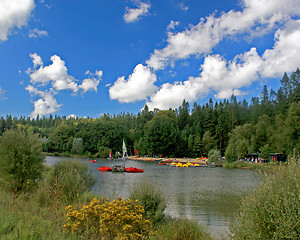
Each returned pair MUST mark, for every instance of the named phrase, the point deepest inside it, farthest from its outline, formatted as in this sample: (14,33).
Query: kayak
(162,163)
(134,170)
(104,169)
(93,161)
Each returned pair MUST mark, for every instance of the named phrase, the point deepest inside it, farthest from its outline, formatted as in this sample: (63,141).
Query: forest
(270,123)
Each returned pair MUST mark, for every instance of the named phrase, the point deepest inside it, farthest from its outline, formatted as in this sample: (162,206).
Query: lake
(207,195)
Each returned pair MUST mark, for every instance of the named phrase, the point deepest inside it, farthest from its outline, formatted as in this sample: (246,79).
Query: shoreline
(179,160)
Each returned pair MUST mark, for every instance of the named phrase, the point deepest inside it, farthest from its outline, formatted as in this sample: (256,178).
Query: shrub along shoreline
(33,206)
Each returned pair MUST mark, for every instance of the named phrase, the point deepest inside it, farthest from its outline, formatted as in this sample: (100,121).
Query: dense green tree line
(269,123)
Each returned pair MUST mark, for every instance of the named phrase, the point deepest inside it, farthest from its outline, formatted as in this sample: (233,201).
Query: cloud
(225,77)
(57,75)
(172,25)
(45,106)
(138,86)
(218,75)
(13,13)
(256,16)
(285,55)
(36,59)
(134,14)
(183,7)
(34,33)
(2,94)
(55,78)
(89,84)
(72,116)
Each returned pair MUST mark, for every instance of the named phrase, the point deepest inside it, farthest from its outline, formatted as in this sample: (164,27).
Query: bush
(21,161)
(119,219)
(151,199)
(272,210)
(77,146)
(230,154)
(70,179)
(103,152)
(181,229)
(214,155)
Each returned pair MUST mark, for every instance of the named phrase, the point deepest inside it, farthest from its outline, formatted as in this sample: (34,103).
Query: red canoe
(162,163)
(104,169)
(93,161)
(134,170)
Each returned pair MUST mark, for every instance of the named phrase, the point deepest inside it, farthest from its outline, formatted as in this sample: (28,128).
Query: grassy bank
(272,210)
(42,214)
(261,167)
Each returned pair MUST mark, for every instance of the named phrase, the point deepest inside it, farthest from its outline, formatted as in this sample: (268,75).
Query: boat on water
(110,155)
(134,170)
(93,161)
(120,167)
(104,169)
(162,163)
(124,149)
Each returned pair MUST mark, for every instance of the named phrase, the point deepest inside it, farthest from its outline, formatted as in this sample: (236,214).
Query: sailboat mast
(124,150)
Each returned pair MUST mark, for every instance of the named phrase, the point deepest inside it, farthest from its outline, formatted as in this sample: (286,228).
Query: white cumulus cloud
(201,38)
(45,106)
(92,82)
(55,78)
(34,33)
(134,14)
(285,55)
(57,75)
(225,77)
(13,13)
(36,60)
(138,86)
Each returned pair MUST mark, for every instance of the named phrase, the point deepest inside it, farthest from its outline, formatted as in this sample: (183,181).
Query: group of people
(254,160)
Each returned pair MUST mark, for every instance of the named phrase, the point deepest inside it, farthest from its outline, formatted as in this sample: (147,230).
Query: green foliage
(208,142)
(234,127)
(23,218)
(237,164)
(179,229)
(70,179)
(271,211)
(21,162)
(103,152)
(265,152)
(293,122)
(214,155)
(162,135)
(77,146)
(230,154)
(151,199)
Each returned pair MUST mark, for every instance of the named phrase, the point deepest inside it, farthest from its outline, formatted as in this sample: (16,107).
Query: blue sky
(89,57)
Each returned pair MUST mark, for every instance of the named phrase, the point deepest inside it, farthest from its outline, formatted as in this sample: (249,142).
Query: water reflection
(206,195)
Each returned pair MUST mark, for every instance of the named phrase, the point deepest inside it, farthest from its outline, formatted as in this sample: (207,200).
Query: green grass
(22,217)
(272,210)
(181,229)
(261,167)
(34,216)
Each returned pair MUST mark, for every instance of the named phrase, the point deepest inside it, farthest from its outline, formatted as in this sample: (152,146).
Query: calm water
(207,195)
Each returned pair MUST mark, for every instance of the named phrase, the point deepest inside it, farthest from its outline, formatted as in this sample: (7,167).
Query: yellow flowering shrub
(117,219)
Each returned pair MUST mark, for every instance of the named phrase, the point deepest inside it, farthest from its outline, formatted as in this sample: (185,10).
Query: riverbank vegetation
(272,210)
(269,123)
(59,205)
